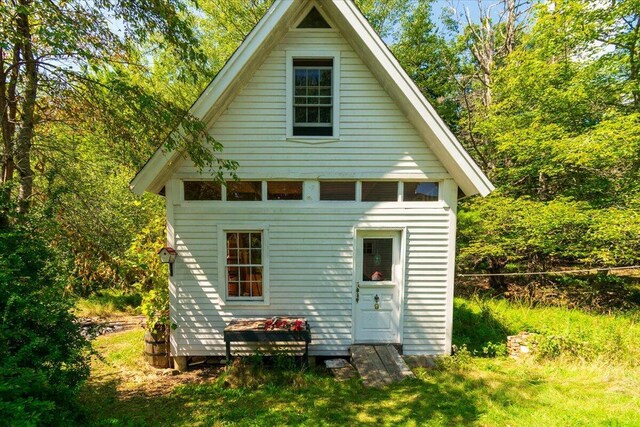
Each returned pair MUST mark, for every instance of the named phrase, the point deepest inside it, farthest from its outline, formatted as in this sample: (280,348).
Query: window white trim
(222,252)
(315,54)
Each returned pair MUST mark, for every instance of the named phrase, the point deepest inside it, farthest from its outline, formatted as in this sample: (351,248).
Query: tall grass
(109,303)
(570,333)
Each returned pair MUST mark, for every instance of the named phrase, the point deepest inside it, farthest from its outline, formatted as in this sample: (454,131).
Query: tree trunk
(25,134)
(8,104)
(497,283)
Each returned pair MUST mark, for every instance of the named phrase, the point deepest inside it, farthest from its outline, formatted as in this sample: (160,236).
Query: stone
(521,345)
(336,363)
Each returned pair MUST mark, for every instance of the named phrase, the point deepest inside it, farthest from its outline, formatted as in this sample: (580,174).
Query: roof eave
(420,112)
(149,177)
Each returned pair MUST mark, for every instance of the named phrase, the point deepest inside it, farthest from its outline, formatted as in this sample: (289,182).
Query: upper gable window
(314,19)
(313,97)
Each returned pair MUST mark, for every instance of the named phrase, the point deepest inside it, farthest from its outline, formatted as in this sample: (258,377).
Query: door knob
(377,300)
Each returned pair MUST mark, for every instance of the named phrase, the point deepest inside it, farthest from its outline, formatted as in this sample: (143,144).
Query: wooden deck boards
(379,365)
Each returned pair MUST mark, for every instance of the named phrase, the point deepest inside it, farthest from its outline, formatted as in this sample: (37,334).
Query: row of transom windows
(364,191)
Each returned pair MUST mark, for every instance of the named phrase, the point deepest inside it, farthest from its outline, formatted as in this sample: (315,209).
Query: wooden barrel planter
(156,349)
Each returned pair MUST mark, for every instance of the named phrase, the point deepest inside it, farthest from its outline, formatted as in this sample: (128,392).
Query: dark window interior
(377,260)
(244,265)
(338,190)
(313,97)
(202,190)
(314,19)
(421,191)
(379,191)
(244,191)
(284,190)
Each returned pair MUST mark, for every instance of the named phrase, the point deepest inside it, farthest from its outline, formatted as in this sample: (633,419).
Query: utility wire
(541,273)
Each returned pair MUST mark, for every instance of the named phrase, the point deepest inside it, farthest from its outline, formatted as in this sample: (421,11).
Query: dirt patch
(119,364)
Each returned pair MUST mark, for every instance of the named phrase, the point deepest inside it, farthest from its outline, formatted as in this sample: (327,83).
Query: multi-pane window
(244,267)
(313,97)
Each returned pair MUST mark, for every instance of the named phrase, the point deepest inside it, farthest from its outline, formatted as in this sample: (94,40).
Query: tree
(565,150)
(55,52)
(430,60)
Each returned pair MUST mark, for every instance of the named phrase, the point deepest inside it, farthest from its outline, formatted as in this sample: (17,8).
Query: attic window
(313,97)
(314,19)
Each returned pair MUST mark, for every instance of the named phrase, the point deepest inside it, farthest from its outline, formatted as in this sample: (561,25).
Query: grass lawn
(465,389)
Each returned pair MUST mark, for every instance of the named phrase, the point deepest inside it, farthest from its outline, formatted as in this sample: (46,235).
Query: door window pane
(244,191)
(377,260)
(379,191)
(421,191)
(337,190)
(202,190)
(284,190)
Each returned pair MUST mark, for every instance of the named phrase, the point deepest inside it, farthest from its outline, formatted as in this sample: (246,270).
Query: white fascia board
(147,178)
(274,16)
(433,129)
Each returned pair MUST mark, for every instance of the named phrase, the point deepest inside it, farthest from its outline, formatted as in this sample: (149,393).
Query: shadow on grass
(444,396)
(448,395)
(476,327)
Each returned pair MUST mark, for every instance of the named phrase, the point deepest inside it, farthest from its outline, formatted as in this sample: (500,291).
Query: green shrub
(43,357)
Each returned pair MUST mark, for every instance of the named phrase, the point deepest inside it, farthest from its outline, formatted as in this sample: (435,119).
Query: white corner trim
(450,194)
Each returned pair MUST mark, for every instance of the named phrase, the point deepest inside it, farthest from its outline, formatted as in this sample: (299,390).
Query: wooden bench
(258,330)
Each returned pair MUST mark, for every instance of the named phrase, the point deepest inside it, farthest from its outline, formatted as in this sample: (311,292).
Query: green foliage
(482,327)
(155,305)
(43,357)
(477,327)
(508,234)
(430,61)
(548,106)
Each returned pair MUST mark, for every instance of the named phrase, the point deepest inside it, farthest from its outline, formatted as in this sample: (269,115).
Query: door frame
(402,273)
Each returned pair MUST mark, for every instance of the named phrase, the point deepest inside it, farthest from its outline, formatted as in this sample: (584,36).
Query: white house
(348,188)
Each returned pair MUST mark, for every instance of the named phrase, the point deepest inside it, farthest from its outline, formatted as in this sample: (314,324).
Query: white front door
(379,282)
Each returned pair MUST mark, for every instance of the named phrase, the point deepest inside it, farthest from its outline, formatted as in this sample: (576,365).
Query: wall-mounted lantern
(168,256)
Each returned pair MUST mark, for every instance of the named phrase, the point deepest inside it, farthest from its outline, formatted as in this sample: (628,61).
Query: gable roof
(348,19)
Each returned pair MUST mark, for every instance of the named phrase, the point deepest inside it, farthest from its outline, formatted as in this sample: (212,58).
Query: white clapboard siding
(311,244)
(311,273)
(375,136)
